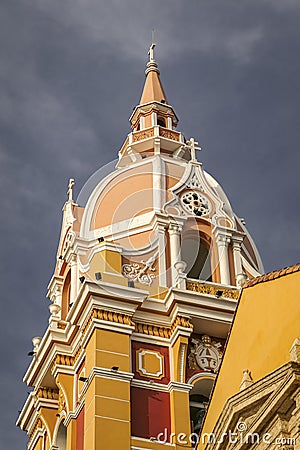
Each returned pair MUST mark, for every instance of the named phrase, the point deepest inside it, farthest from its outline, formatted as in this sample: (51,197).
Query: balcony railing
(217,290)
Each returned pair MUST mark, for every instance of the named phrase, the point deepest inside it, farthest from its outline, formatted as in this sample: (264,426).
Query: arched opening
(61,438)
(161,121)
(66,296)
(199,398)
(196,253)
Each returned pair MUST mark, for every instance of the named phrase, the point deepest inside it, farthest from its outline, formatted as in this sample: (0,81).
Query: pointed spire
(153,90)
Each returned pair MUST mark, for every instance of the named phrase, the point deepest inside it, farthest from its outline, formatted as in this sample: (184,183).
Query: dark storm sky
(70,74)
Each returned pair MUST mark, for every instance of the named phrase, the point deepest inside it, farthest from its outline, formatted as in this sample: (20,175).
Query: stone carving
(195,183)
(169,134)
(163,332)
(144,134)
(137,272)
(210,289)
(205,354)
(61,402)
(47,393)
(195,203)
(246,379)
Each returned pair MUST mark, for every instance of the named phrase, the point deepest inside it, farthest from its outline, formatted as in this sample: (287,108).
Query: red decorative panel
(164,351)
(150,412)
(80,430)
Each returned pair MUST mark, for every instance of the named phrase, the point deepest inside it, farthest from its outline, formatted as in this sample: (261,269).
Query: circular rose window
(195,203)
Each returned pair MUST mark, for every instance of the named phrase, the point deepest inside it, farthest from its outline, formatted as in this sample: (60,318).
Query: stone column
(175,248)
(161,230)
(74,277)
(236,249)
(223,241)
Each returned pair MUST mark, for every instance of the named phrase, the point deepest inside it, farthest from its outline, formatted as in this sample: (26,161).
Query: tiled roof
(272,275)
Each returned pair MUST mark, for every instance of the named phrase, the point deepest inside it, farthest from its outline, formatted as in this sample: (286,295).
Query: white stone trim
(37,435)
(112,418)
(91,203)
(152,385)
(201,375)
(158,356)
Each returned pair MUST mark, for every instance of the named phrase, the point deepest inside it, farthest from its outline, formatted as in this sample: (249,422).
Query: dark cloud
(70,73)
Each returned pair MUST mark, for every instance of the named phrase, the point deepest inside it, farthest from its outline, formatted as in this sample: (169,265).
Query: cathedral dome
(156,217)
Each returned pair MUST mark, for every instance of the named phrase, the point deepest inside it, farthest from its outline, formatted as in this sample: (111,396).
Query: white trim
(75,413)
(37,435)
(148,441)
(201,375)
(158,355)
(91,203)
(182,352)
(154,386)
(159,183)
(248,267)
(106,325)
(151,385)
(112,418)
(176,386)
(112,353)
(112,398)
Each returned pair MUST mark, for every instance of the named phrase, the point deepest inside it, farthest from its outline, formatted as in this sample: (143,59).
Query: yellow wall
(264,329)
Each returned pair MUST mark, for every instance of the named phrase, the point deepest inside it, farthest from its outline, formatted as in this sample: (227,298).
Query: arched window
(199,397)
(61,438)
(196,254)
(161,121)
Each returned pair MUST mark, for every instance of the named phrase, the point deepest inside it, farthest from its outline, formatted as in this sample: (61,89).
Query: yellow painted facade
(263,332)
(147,278)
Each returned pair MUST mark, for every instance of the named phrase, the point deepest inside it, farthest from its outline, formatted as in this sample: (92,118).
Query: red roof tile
(272,275)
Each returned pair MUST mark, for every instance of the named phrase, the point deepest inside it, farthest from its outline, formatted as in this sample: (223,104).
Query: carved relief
(218,291)
(169,134)
(47,393)
(110,316)
(139,272)
(69,241)
(195,203)
(140,135)
(61,402)
(163,332)
(205,354)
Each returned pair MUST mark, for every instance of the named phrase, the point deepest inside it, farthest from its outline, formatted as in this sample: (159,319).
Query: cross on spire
(151,52)
(70,189)
(192,145)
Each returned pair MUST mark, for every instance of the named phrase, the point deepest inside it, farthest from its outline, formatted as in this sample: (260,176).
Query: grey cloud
(70,73)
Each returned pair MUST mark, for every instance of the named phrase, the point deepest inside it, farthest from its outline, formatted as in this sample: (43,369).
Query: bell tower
(147,278)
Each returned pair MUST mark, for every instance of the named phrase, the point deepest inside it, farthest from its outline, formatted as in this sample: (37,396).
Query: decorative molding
(142,370)
(210,289)
(38,424)
(47,393)
(135,272)
(109,316)
(64,360)
(141,135)
(168,134)
(195,203)
(164,332)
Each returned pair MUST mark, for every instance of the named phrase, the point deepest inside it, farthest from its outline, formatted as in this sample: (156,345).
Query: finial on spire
(151,52)
(70,189)
(151,49)
(151,64)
